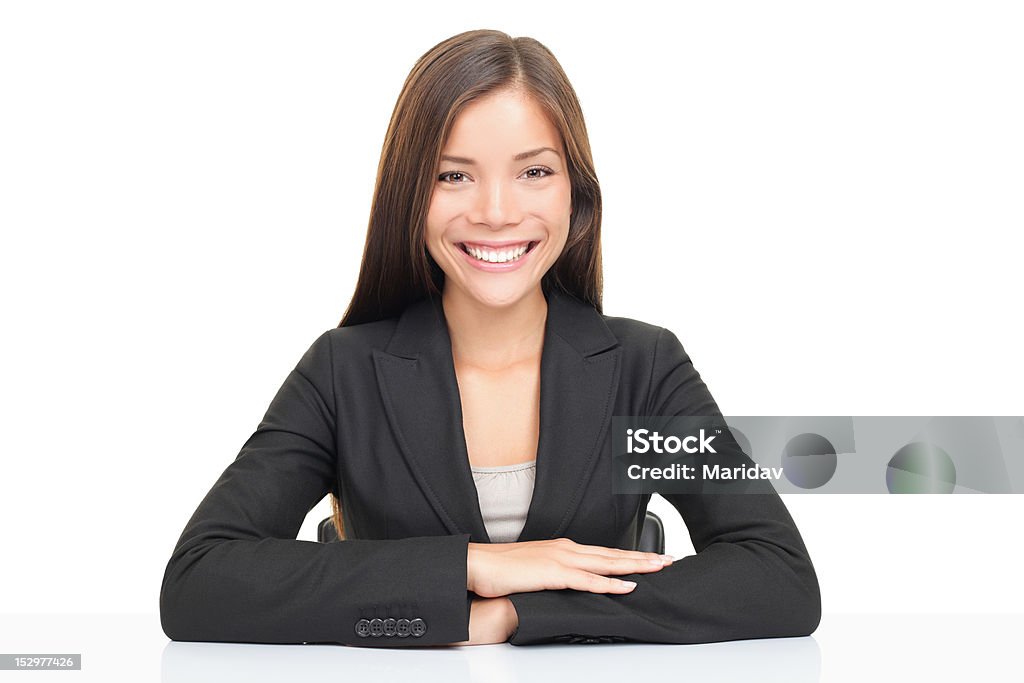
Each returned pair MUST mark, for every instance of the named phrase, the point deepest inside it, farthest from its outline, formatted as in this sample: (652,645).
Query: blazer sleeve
(239,574)
(751,576)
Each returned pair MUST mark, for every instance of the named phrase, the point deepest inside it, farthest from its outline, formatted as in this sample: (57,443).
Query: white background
(823,201)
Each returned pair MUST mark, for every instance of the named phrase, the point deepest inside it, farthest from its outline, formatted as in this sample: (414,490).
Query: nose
(496,205)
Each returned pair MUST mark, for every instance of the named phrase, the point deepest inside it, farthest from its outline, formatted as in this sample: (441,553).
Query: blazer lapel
(579,379)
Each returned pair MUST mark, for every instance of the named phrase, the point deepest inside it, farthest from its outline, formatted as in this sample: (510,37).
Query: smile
(509,253)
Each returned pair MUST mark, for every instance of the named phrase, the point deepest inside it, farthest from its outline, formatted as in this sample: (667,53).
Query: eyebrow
(518,157)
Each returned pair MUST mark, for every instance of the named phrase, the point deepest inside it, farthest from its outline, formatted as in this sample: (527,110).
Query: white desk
(846,647)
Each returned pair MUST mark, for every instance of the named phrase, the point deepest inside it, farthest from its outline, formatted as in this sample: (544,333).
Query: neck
(495,338)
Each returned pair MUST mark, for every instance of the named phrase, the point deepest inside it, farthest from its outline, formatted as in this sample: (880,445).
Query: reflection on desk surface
(854,647)
(795,660)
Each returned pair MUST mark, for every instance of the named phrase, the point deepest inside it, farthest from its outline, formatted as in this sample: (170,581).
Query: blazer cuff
(548,617)
(433,588)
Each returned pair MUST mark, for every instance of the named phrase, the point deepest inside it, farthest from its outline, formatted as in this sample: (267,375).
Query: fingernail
(667,558)
(657,562)
(628,584)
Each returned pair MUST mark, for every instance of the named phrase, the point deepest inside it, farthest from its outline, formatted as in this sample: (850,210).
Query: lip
(497,245)
(498,267)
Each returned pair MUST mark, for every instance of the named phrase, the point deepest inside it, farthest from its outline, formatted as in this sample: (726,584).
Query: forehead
(502,121)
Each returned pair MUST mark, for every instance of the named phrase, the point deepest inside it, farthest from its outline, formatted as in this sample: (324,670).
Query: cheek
(558,204)
(443,205)
(438,214)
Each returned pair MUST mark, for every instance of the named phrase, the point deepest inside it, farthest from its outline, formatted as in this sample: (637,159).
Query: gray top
(505,493)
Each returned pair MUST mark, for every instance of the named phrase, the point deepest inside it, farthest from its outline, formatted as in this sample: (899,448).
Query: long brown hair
(396,268)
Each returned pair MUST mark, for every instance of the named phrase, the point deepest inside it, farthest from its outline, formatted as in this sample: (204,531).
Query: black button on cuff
(402,629)
(390,627)
(363,628)
(418,627)
(376,627)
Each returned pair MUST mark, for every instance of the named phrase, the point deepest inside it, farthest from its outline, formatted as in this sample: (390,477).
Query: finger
(601,551)
(599,564)
(595,583)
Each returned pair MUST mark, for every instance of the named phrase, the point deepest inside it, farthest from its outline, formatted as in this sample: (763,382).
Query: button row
(403,628)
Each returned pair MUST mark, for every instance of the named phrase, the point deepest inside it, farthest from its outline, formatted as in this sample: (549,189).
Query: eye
(453,177)
(538,170)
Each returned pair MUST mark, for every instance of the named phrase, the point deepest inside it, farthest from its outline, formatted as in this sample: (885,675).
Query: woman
(476,321)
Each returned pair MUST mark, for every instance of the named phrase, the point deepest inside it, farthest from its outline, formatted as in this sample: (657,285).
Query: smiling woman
(459,416)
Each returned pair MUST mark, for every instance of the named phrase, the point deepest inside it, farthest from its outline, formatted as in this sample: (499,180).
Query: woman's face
(499,212)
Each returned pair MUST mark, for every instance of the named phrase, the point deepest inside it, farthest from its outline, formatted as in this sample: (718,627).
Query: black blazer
(372,412)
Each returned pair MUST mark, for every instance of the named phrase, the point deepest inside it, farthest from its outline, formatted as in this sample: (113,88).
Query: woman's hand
(498,569)
(491,620)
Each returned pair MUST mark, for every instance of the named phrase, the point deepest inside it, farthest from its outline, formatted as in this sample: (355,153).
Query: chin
(498,298)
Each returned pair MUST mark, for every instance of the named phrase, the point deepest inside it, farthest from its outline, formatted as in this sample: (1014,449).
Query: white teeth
(497,255)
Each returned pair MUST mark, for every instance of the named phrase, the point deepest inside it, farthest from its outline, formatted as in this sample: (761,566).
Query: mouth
(508,253)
